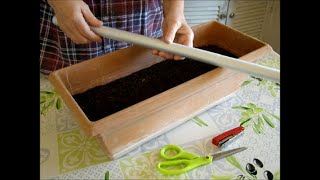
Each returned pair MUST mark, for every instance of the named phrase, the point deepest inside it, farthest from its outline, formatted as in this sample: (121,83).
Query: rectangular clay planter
(127,129)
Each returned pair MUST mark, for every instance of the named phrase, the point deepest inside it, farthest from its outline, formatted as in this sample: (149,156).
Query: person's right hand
(74,19)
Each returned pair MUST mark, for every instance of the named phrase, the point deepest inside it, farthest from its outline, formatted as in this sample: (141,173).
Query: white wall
(271,27)
(256,18)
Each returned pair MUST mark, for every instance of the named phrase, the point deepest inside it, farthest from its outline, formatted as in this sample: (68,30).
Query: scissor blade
(224,154)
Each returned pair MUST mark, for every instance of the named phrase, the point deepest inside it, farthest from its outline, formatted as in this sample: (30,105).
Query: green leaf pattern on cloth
(78,151)
(199,121)
(272,87)
(255,116)
(232,160)
(48,99)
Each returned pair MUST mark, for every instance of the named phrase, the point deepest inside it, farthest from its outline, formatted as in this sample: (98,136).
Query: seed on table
(251,169)
(268,175)
(258,162)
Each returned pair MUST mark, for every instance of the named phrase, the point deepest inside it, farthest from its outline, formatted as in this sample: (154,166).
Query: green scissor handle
(187,165)
(184,160)
(181,154)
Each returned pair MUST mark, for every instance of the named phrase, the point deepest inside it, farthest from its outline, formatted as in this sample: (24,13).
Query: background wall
(257,18)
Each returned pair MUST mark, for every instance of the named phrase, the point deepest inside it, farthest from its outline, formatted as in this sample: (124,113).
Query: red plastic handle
(232,132)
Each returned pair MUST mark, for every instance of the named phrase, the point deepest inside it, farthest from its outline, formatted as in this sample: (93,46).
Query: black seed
(268,175)
(251,169)
(258,162)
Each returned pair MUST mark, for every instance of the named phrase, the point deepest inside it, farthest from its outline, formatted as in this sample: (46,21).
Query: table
(66,153)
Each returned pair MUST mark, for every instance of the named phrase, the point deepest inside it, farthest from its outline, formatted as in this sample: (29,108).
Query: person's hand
(74,19)
(175,29)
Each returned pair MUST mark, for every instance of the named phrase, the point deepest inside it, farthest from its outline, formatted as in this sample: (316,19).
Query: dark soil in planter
(107,99)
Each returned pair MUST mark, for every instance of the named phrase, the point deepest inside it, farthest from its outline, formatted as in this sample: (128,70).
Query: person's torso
(136,16)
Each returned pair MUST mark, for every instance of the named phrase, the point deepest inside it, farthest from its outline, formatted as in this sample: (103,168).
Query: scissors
(185,161)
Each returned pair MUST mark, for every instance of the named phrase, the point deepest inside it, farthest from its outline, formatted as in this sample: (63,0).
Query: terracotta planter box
(127,129)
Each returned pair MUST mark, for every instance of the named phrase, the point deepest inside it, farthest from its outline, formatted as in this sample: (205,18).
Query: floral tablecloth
(66,153)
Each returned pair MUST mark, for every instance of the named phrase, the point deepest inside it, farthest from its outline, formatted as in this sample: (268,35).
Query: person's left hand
(175,29)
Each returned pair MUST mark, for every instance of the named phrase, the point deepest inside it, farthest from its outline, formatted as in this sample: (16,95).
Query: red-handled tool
(229,136)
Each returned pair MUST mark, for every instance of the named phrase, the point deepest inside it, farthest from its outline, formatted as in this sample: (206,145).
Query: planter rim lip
(104,119)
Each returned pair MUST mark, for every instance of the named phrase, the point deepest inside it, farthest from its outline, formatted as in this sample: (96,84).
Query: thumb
(170,31)
(90,18)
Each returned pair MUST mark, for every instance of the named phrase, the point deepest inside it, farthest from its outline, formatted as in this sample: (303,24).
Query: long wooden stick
(253,69)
